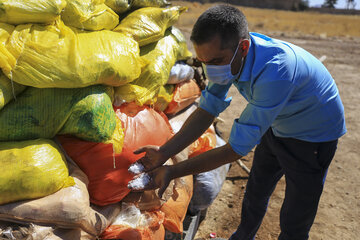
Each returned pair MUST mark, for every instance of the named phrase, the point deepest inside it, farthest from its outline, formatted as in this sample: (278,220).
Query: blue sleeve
(270,94)
(213,98)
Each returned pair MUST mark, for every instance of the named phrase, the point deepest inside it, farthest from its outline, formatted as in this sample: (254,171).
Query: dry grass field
(336,39)
(296,23)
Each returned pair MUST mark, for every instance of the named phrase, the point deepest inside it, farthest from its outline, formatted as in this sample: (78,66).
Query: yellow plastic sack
(30,11)
(117,139)
(8,90)
(149,3)
(5,32)
(31,169)
(57,56)
(67,208)
(42,113)
(164,97)
(148,25)
(161,57)
(182,50)
(118,6)
(89,15)
(6,58)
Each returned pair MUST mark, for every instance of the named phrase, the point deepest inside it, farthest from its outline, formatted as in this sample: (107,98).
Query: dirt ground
(338,216)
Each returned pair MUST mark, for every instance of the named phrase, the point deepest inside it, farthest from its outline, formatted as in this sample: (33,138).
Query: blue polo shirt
(287,89)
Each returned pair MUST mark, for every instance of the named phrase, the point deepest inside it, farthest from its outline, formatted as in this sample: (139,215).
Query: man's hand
(153,157)
(158,178)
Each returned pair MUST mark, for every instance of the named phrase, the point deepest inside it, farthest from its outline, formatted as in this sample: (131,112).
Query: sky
(340,3)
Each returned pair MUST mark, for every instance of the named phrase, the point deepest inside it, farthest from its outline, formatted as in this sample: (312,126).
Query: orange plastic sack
(142,126)
(176,207)
(108,171)
(131,224)
(205,142)
(184,95)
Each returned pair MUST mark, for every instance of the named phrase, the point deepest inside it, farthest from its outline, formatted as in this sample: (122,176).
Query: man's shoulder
(269,49)
(272,57)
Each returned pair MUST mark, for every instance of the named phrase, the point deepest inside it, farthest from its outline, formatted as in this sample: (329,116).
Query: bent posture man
(294,115)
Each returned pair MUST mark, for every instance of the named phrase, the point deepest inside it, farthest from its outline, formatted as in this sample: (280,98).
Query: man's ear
(244,46)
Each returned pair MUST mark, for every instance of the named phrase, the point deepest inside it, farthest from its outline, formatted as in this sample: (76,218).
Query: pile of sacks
(84,84)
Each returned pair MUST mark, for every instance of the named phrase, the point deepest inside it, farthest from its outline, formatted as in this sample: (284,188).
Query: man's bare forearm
(205,162)
(193,128)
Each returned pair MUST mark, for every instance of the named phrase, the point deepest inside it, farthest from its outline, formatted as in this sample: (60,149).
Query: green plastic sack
(148,25)
(42,113)
(93,117)
(89,15)
(161,56)
(30,11)
(118,6)
(56,56)
(8,90)
(149,3)
(31,169)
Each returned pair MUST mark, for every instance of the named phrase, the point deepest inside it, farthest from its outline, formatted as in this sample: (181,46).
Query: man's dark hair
(226,21)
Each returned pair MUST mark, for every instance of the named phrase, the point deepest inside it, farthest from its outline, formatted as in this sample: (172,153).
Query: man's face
(212,53)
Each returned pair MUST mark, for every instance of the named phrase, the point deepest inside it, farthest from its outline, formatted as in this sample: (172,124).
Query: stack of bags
(83,85)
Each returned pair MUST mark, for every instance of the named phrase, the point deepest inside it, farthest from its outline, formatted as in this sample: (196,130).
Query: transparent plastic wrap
(132,224)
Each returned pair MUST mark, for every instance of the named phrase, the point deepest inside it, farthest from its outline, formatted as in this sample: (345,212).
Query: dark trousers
(304,165)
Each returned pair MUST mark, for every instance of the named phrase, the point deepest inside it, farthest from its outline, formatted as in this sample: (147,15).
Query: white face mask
(221,74)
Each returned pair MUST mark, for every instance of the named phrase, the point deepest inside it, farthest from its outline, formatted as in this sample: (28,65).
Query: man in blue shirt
(294,115)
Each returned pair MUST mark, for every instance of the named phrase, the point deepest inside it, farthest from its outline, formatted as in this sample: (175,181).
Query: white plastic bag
(207,185)
(180,72)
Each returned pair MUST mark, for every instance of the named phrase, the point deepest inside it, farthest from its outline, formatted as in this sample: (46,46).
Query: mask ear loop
(234,54)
